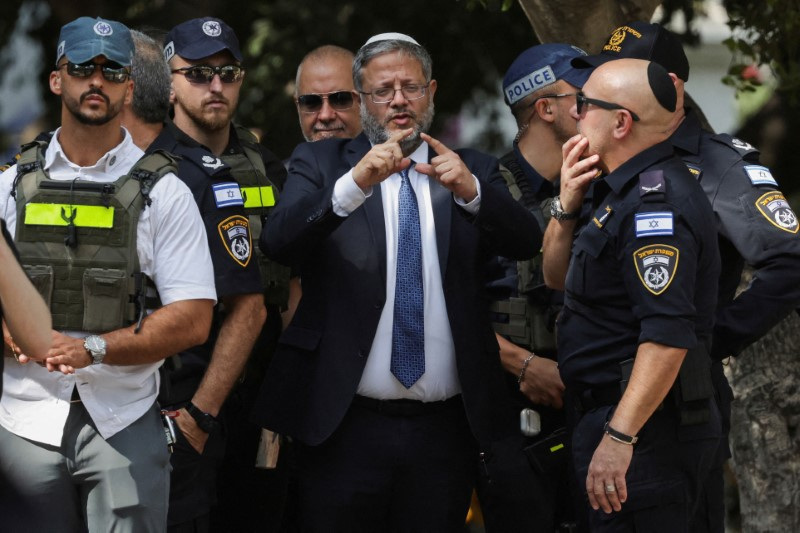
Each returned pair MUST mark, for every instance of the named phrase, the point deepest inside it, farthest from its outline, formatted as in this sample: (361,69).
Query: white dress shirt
(440,380)
(173,252)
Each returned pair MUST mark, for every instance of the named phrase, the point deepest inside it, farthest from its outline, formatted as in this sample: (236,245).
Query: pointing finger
(437,146)
(399,135)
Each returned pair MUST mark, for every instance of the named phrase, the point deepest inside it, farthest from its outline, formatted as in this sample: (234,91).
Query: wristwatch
(96,346)
(205,421)
(558,213)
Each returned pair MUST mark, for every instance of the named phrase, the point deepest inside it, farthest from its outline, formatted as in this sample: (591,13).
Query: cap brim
(591,61)
(577,76)
(204,49)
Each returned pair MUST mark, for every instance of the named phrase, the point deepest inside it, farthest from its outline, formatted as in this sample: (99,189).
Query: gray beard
(377,133)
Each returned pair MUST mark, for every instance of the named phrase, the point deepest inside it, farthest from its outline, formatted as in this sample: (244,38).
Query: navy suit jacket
(321,355)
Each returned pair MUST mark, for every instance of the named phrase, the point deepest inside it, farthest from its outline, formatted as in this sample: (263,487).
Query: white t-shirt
(173,251)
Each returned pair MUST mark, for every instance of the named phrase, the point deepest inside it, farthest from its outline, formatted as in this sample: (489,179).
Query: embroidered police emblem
(212,162)
(776,209)
(601,220)
(235,234)
(617,37)
(212,28)
(656,265)
(742,145)
(103,28)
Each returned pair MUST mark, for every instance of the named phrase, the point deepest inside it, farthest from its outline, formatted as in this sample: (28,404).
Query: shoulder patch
(235,234)
(654,223)
(656,265)
(652,182)
(227,194)
(759,175)
(601,220)
(694,170)
(775,208)
(744,149)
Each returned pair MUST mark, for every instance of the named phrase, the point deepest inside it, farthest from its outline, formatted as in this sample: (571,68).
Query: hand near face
(448,169)
(576,173)
(382,161)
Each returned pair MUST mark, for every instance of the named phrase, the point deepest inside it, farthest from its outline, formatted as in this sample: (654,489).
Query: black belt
(406,407)
(589,399)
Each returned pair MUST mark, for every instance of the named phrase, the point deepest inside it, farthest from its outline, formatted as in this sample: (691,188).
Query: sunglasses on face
(112,72)
(338,100)
(581,100)
(206,73)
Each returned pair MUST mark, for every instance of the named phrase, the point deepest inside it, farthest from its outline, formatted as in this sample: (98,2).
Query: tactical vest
(77,241)
(531,318)
(259,195)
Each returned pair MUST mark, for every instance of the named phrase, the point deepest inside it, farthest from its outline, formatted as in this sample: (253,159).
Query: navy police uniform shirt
(644,268)
(230,242)
(756,226)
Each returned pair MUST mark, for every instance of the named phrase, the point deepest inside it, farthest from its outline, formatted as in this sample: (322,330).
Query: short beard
(74,107)
(378,134)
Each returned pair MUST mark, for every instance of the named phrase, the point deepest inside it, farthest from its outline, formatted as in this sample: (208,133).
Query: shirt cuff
(474,206)
(347,196)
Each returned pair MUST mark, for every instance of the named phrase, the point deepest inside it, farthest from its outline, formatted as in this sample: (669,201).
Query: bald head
(324,71)
(638,85)
(629,106)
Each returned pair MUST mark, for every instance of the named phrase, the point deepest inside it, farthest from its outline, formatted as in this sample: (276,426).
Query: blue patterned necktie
(408,330)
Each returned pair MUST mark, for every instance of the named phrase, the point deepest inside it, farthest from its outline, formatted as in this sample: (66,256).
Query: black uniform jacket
(756,226)
(342,263)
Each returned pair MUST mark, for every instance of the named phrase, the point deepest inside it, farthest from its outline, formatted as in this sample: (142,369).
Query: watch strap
(205,421)
(620,436)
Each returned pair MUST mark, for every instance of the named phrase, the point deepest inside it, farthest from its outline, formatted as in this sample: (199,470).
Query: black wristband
(205,421)
(620,436)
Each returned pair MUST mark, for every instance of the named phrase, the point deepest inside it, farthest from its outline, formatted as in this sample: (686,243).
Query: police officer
(539,87)
(755,223)
(640,295)
(100,229)
(197,382)
(207,74)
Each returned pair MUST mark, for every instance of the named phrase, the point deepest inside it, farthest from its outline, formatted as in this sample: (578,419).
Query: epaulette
(213,166)
(745,150)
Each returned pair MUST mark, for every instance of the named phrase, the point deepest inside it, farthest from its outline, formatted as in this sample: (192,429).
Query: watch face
(95,344)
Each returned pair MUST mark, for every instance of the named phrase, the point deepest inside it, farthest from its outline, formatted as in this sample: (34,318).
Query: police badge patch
(235,234)
(656,265)
(776,209)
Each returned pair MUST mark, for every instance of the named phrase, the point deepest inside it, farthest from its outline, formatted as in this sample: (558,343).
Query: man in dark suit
(388,376)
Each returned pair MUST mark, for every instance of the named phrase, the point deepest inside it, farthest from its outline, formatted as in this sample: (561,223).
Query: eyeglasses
(312,102)
(561,95)
(384,95)
(581,100)
(206,73)
(111,71)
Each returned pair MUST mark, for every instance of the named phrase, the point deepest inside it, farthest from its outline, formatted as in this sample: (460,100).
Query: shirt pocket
(582,275)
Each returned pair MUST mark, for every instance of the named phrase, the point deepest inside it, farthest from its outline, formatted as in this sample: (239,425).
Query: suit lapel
(442,205)
(373,206)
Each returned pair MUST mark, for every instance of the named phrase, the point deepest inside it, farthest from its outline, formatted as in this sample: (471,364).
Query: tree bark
(584,23)
(765,379)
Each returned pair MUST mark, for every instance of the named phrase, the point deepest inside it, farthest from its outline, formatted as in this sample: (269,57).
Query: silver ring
(610,488)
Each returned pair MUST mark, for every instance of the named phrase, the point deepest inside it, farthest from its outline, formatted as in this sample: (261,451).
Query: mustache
(408,112)
(95,91)
(218,98)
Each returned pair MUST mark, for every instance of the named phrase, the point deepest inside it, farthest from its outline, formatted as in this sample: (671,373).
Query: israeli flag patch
(227,194)
(760,175)
(652,224)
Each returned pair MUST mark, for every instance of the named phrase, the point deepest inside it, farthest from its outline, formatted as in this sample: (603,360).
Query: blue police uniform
(644,268)
(527,491)
(193,478)
(757,227)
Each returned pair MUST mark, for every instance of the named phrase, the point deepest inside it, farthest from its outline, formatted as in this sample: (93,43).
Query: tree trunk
(584,23)
(765,380)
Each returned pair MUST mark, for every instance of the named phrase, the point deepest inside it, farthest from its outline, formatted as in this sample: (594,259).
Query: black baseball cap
(199,38)
(641,40)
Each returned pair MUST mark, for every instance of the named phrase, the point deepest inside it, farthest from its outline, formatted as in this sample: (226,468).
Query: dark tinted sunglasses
(312,103)
(112,72)
(581,100)
(206,73)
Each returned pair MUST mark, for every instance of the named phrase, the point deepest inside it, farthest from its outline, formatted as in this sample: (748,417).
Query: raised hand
(448,169)
(382,161)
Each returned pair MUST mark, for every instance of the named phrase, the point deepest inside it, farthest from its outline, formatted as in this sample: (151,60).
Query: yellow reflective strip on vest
(556,448)
(258,196)
(86,216)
